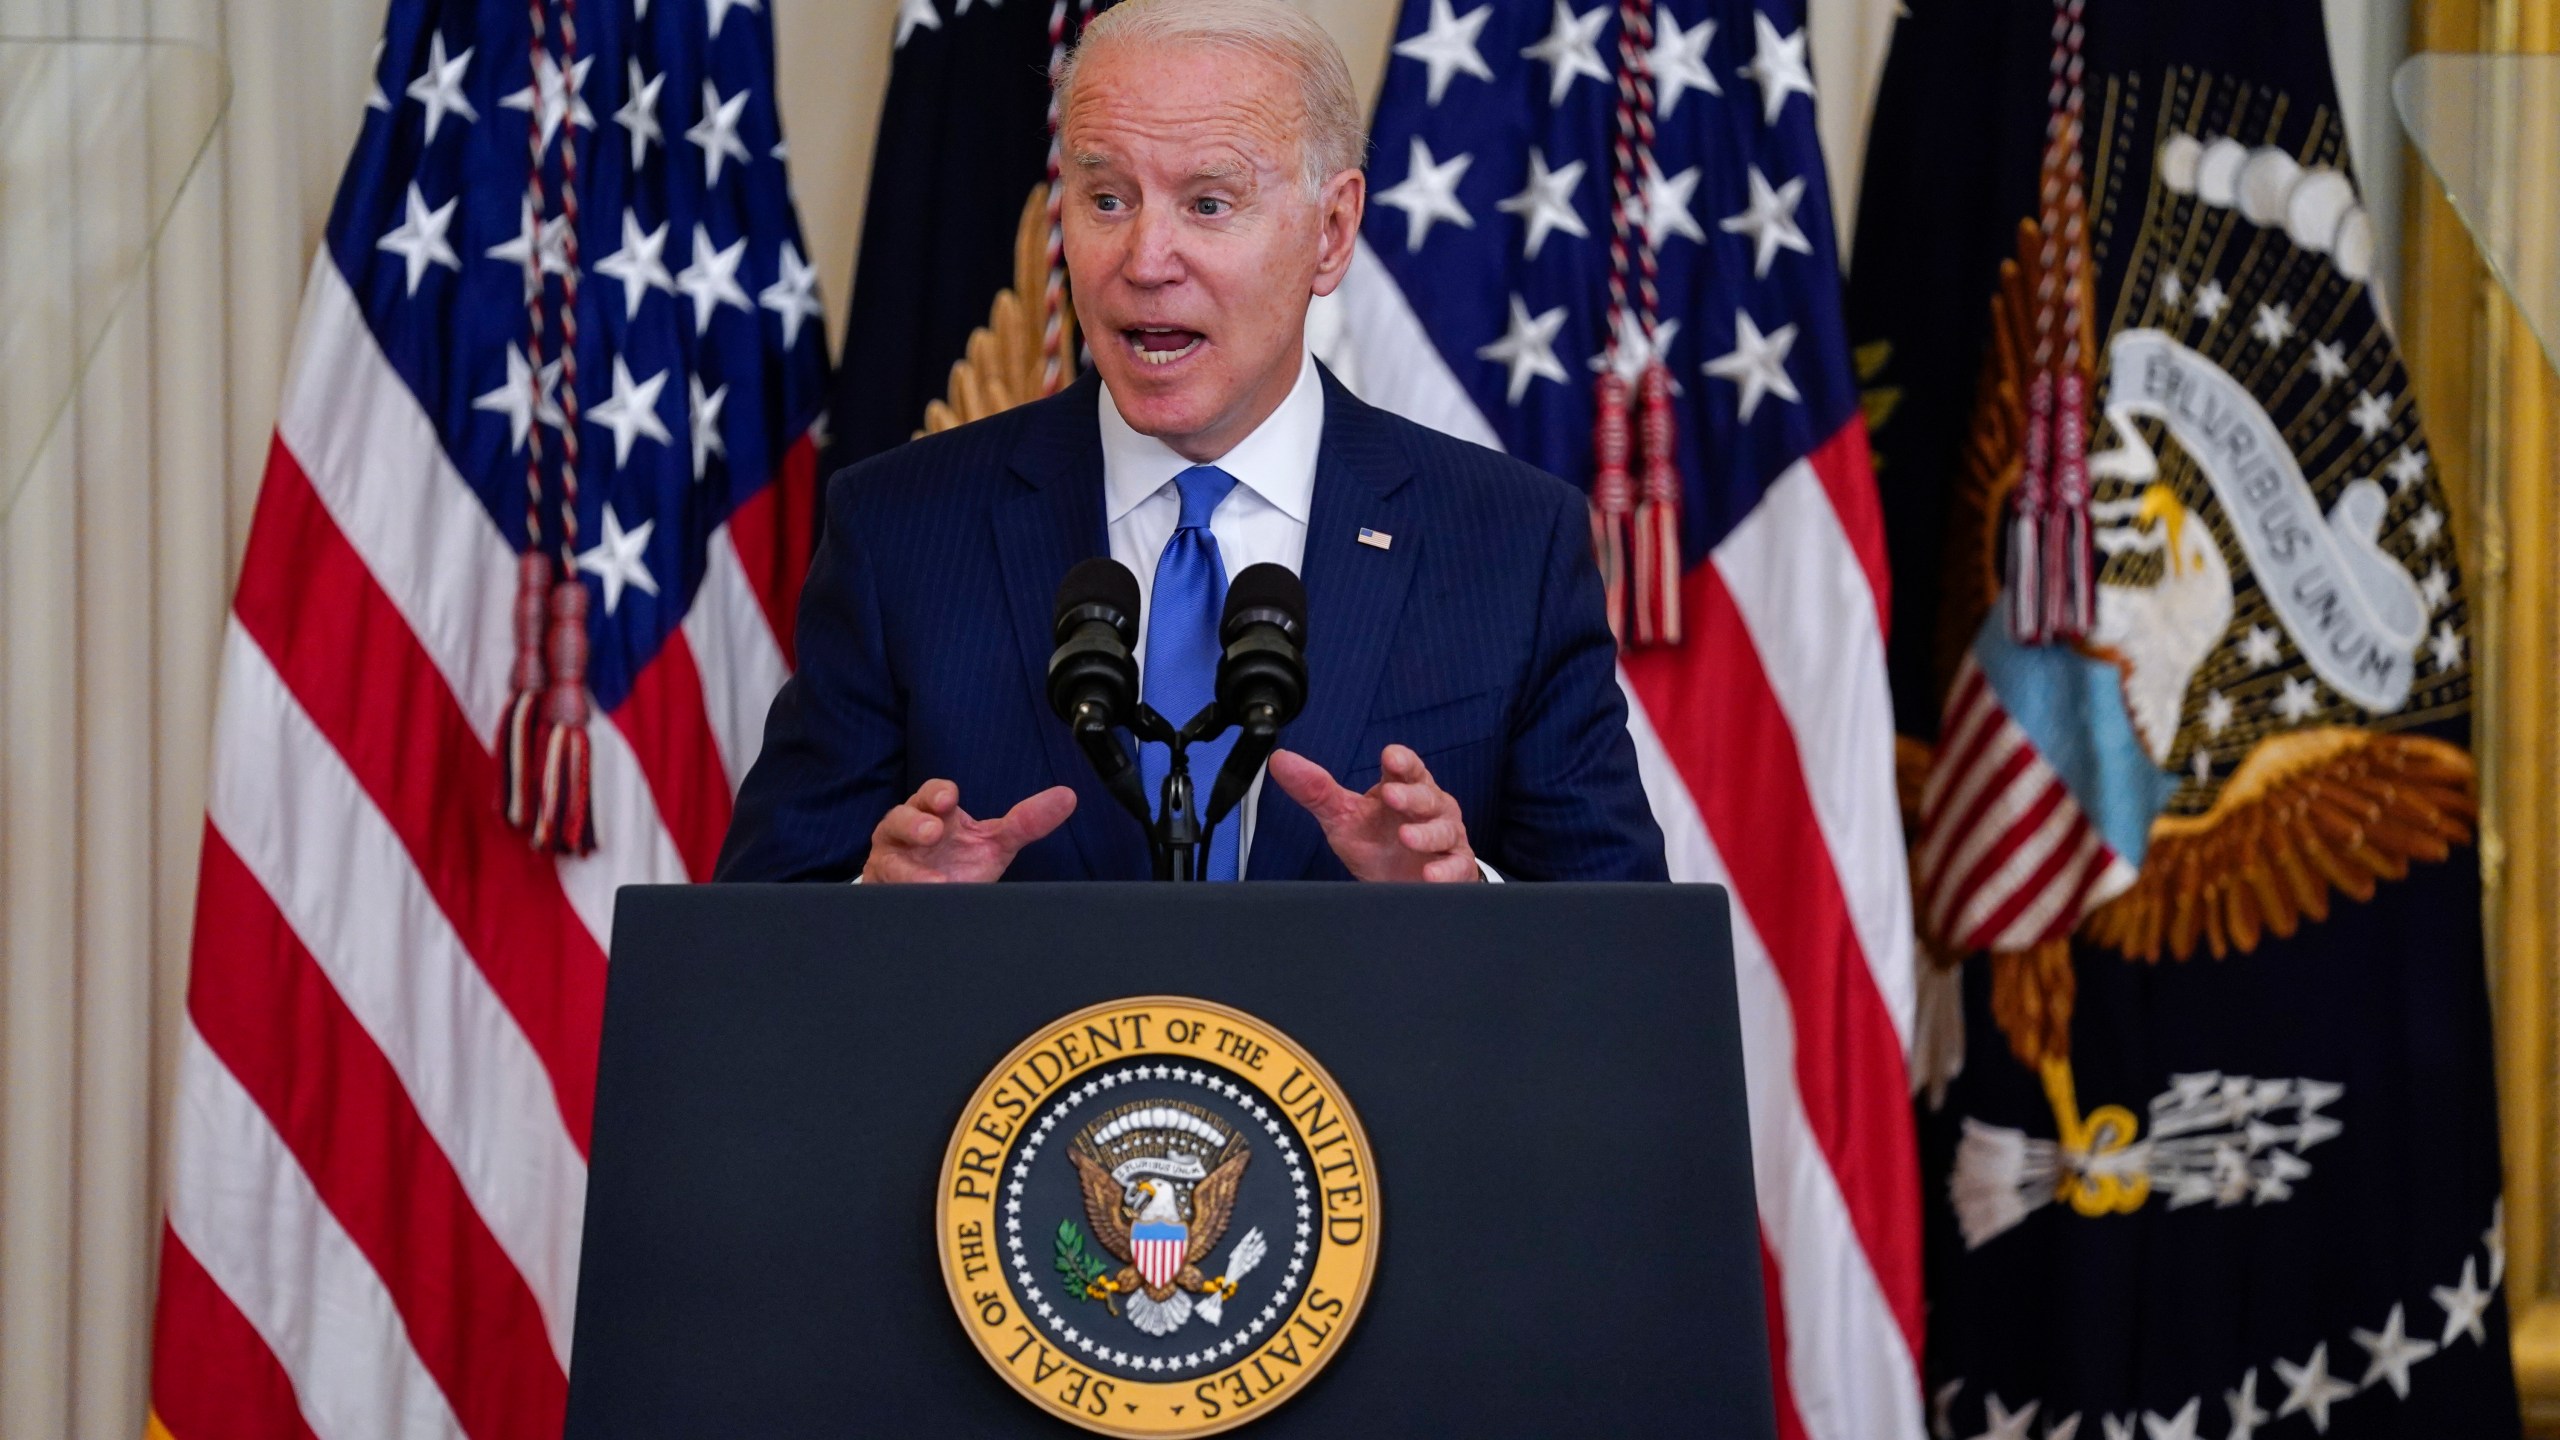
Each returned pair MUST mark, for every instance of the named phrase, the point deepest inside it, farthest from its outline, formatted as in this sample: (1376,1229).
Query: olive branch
(1077,1265)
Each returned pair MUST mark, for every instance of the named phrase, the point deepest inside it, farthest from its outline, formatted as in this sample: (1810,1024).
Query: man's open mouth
(1161,344)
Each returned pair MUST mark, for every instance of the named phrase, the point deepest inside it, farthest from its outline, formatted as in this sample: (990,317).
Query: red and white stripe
(1766,744)
(380,1152)
(2006,859)
(1159,1260)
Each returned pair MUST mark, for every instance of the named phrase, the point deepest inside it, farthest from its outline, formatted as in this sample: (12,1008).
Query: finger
(1451,869)
(1399,762)
(1432,837)
(908,825)
(1424,801)
(939,797)
(1306,782)
(896,867)
(1035,818)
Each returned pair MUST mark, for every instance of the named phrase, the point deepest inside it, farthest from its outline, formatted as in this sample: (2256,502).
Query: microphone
(1093,677)
(1262,675)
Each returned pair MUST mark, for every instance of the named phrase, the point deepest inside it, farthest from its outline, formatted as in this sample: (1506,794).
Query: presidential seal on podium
(1158,1216)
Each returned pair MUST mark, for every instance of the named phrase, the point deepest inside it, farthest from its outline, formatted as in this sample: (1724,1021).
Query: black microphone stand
(1260,685)
(1176,834)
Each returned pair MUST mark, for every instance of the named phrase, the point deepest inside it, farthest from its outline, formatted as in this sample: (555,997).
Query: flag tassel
(2079,613)
(1657,523)
(1658,535)
(2029,614)
(2026,574)
(1611,499)
(564,822)
(2071,588)
(520,728)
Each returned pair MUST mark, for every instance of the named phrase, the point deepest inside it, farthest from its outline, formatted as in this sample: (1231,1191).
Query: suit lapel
(1042,532)
(1355,597)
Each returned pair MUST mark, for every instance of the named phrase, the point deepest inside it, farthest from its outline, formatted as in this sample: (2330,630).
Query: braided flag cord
(522,739)
(1054,361)
(514,604)
(562,821)
(1637,542)
(2051,594)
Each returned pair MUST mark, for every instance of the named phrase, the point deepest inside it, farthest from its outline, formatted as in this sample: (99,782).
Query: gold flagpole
(2491,402)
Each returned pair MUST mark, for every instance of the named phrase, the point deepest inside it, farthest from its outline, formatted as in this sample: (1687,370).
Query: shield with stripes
(1158,1251)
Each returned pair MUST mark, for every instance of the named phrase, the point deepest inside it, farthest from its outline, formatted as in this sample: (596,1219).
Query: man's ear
(1338,209)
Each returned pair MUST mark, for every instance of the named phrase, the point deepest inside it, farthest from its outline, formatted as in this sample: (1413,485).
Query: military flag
(2182,665)
(1599,237)
(517,594)
(959,292)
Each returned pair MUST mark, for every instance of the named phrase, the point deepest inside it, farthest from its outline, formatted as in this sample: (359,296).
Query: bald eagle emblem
(1143,1238)
(1159,1180)
(2241,741)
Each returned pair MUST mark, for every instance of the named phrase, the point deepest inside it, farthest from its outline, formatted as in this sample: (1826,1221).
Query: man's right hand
(930,840)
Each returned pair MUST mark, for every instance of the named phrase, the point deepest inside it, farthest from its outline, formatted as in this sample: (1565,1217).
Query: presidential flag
(2184,653)
(1599,237)
(517,594)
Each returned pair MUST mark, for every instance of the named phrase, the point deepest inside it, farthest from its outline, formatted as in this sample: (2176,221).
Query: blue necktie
(1189,595)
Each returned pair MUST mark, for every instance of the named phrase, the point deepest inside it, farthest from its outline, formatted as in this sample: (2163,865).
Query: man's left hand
(1405,827)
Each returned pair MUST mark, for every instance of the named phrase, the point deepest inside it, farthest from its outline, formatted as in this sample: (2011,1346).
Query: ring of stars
(2312,1388)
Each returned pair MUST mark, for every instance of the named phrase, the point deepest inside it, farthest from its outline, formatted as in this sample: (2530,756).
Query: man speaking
(1463,719)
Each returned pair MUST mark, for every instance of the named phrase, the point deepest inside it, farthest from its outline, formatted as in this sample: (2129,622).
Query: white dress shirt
(1262,521)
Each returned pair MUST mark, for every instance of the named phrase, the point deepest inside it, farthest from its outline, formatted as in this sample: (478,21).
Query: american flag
(1602,232)
(562,309)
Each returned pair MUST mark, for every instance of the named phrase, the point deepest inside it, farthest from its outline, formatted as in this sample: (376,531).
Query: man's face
(1190,241)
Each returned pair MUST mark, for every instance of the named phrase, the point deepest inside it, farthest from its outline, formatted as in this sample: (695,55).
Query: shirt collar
(1277,461)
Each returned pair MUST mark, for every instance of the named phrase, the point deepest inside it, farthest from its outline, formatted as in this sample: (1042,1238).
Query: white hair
(1333,139)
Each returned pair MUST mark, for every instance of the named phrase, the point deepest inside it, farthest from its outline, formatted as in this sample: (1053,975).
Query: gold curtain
(2491,403)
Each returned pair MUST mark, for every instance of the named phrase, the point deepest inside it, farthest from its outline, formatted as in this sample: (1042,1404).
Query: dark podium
(1550,1078)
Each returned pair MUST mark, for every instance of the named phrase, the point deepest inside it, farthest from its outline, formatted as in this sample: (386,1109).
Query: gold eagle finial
(1003,364)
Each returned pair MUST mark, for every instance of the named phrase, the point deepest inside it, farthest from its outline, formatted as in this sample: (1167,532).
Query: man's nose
(1155,248)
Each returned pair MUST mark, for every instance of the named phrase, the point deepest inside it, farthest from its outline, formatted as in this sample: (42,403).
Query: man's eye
(1106,202)
(1211,206)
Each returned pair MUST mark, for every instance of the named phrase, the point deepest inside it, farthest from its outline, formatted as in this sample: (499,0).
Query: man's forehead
(1188,156)
(1203,104)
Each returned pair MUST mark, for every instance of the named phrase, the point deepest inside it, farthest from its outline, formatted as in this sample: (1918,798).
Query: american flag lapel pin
(1378,539)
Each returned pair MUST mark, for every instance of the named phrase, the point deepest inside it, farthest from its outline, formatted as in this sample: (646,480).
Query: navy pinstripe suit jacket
(1478,638)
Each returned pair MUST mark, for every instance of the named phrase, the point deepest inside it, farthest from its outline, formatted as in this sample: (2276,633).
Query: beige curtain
(115,571)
